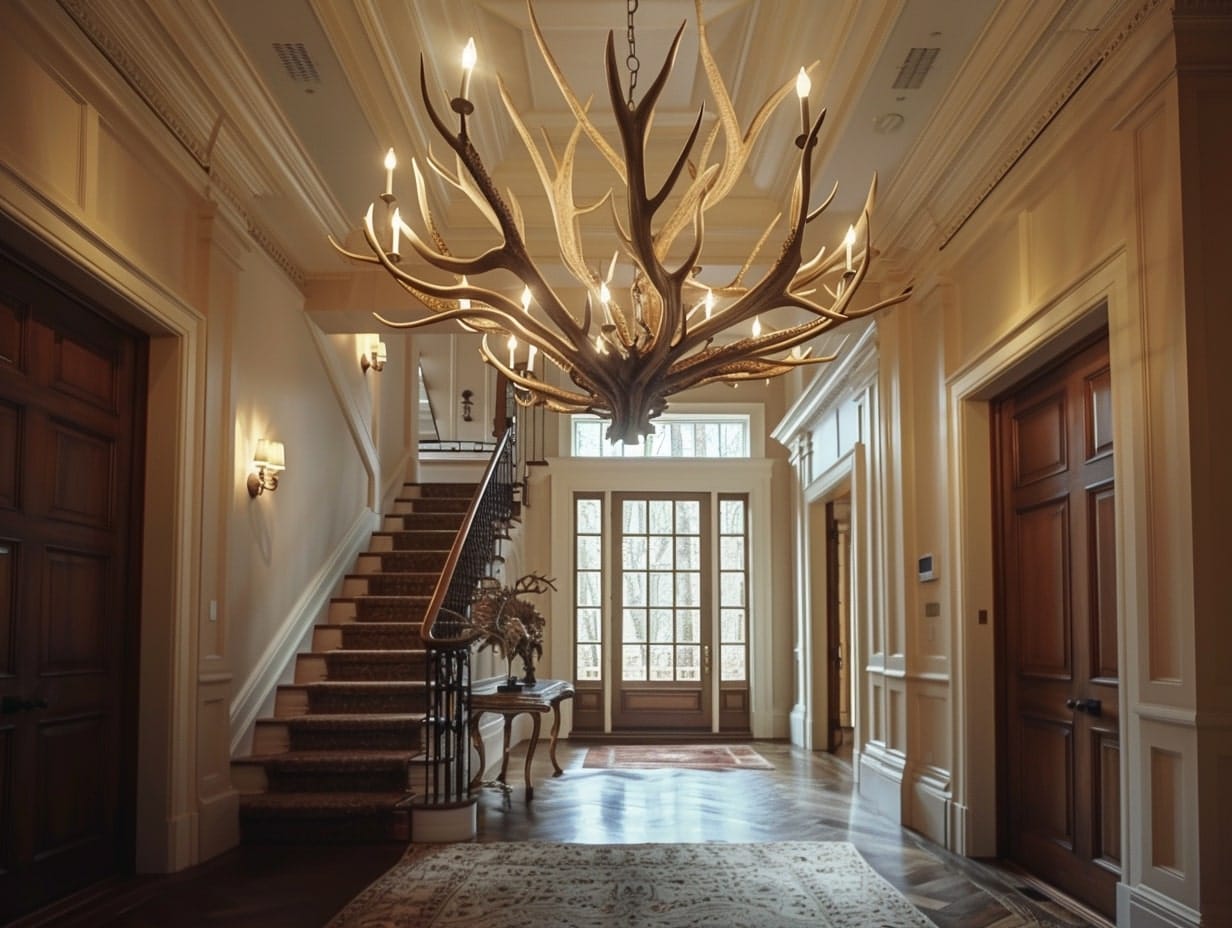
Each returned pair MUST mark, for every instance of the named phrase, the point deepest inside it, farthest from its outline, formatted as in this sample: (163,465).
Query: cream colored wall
(95,188)
(393,396)
(1093,223)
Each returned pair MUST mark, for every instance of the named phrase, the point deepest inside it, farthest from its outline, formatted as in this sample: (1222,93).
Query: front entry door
(69,442)
(662,653)
(1061,786)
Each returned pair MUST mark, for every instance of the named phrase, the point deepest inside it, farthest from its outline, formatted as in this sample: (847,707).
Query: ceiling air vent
(297,62)
(915,68)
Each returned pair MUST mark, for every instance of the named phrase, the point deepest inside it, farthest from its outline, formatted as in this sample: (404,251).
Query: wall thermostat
(928,567)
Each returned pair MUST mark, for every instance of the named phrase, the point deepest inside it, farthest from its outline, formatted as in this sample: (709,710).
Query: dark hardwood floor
(807,797)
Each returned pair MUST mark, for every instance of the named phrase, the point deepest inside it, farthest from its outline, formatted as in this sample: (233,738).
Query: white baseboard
(279,655)
(958,829)
(1143,907)
(929,812)
(881,782)
(796,723)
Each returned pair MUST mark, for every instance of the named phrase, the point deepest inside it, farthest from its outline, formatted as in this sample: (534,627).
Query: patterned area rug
(693,756)
(785,884)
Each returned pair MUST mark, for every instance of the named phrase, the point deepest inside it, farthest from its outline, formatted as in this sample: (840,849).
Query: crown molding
(995,114)
(1078,75)
(217,125)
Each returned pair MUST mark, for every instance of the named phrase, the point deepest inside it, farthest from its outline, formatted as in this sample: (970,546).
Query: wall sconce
(270,460)
(375,358)
(467,404)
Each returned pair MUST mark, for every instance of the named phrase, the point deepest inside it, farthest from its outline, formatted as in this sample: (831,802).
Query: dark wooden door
(834,650)
(662,655)
(1058,642)
(69,408)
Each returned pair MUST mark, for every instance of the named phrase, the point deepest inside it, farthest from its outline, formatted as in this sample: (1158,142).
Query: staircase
(341,758)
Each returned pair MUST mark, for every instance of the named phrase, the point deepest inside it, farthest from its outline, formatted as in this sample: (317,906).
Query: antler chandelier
(625,354)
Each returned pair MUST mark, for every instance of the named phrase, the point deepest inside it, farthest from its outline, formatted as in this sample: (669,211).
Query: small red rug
(691,756)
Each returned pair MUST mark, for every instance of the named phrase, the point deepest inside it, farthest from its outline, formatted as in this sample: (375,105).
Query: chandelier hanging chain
(625,363)
(632,62)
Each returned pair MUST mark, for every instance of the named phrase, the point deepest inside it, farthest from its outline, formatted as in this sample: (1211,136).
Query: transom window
(677,435)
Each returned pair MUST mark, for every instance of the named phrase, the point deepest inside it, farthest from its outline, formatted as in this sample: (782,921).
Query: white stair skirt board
(443,826)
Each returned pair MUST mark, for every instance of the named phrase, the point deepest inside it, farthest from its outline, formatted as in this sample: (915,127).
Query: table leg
(530,753)
(555,732)
(505,748)
(478,743)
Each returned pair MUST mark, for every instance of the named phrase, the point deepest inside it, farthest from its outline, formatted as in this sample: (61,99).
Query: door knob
(706,660)
(1089,706)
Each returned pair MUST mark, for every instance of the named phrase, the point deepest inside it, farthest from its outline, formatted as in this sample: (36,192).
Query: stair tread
(324,757)
(359,684)
(359,623)
(374,654)
(394,573)
(395,597)
(306,804)
(327,719)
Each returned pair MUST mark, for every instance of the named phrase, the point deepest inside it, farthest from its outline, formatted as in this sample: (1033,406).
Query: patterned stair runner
(341,758)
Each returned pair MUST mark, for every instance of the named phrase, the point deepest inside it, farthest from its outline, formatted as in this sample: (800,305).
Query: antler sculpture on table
(625,361)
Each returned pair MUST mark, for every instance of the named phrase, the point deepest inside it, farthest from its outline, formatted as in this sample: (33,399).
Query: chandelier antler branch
(626,356)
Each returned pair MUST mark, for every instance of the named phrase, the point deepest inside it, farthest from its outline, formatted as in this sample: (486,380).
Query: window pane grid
(733,588)
(661,582)
(588,584)
(676,435)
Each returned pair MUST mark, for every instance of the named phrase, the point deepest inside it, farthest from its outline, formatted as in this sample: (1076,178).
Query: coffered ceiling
(293,103)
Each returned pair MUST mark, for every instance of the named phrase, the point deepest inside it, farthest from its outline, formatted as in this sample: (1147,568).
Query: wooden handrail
(441,593)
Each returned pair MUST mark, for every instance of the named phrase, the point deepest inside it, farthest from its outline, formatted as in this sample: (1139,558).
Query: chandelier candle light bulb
(526,299)
(513,347)
(391,162)
(469,59)
(658,349)
(803,86)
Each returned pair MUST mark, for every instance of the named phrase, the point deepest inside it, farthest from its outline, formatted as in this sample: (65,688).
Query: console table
(545,696)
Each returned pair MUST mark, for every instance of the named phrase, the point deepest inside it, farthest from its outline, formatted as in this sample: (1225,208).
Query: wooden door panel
(10,454)
(82,473)
(70,414)
(1106,751)
(1042,569)
(1058,643)
(8,798)
(86,372)
(72,788)
(12,323)
(1047,811)
(8,606)
(1102,532)
(75,595)
(1099,414)
(1039,443)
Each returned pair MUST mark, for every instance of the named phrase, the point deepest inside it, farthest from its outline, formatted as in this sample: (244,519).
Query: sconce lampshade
(374,357)
(270,455)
